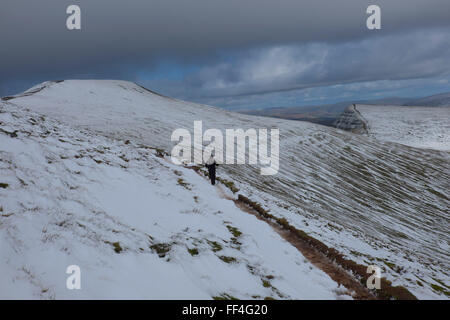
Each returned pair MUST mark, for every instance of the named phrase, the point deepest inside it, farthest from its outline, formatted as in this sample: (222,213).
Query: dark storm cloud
(119,37)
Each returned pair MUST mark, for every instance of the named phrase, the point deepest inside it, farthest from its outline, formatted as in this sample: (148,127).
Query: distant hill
(437,100)
(328,113)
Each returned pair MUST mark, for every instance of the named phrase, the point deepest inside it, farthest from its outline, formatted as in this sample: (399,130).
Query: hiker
(211,165)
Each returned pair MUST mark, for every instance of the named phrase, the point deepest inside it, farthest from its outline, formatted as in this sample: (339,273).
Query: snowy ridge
(377,202)
(421,127)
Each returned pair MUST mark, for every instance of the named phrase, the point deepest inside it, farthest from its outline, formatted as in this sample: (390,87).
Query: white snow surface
(72,194)
(421,127)
(75,187)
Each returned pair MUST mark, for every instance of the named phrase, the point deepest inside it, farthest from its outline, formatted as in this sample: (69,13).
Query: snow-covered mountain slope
(421,127)
(376,202)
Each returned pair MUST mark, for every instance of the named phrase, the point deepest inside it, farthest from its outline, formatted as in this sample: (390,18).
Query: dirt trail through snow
(319,260)
(335,272)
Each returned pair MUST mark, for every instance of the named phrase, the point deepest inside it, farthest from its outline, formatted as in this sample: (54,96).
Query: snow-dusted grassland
(421,127)
(141,227)
(138,227)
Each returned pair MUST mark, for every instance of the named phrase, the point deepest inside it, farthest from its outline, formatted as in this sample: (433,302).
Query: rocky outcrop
(352,120)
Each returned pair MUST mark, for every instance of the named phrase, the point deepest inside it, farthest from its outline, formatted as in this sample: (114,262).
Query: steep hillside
(138,226)
(376,202)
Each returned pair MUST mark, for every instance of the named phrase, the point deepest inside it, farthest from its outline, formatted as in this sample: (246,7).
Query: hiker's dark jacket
(212,171)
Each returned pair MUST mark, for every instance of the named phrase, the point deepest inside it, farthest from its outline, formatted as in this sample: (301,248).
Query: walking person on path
(211,165)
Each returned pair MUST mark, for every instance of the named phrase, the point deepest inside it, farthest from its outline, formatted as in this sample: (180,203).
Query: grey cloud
(418,54)
(119,37)
(331,94)
(36,38)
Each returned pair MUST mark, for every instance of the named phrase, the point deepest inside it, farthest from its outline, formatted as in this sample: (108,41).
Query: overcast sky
(233,53)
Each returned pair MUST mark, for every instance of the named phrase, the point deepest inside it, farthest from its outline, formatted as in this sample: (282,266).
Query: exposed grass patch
(400,235)
(225,296)
(6,215)
(391,265)
(355,253)
(236,243)
(440,289)
(178,173)
(266,284)
(215,246)
(11,134)
(229,184)
(183,183)
(333,227)
(65,222)
(228,259)
(251,269)
(441,283)
(234,231)
(4,185)
(161,248)
(193,252)
(116,246)
(124,158)
(160,152)
(256,206)
(437,193)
